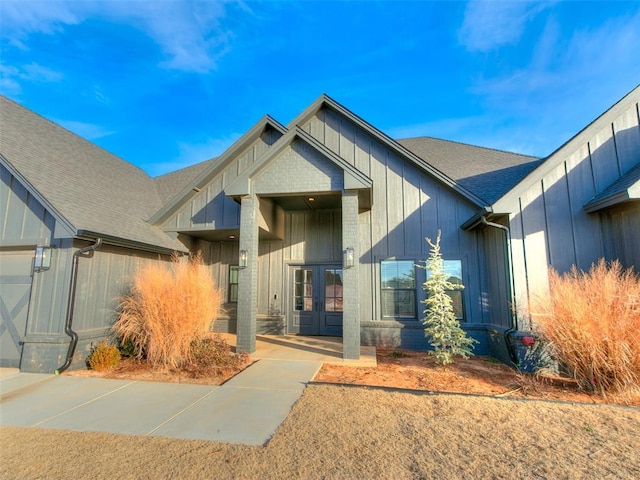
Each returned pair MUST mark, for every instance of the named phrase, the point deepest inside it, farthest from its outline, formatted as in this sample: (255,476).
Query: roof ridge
(471,145)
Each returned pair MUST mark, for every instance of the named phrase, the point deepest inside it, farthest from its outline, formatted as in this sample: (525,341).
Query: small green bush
(103,357)
(128,350)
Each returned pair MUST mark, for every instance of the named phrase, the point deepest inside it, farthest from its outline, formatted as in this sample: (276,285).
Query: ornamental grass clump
(591,321)
(169,307)
(442,328)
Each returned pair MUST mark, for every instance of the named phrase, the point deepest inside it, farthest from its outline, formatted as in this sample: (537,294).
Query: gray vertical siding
(211,208)
(102,280)
(622,235)
(23,220)
(549,225)
(408,205)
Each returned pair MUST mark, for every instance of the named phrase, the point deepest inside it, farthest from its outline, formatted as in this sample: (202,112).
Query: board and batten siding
(211,208)
(549,226)
(408,205)
(23,219)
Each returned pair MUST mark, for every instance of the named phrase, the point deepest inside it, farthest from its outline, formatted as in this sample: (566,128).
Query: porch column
(248,277)
(350,290)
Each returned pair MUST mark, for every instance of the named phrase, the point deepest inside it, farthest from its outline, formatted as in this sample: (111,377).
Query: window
(398,281)
(333,290)
(233,283)
(303,290)
(453,268)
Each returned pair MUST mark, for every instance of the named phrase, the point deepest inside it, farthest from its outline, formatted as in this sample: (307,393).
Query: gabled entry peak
(297,163)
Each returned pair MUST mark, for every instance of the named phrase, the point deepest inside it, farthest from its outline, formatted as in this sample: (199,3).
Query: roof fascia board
(325,100)
(61,221)
(120,242)
(507,202)
(354,179)
(192,188)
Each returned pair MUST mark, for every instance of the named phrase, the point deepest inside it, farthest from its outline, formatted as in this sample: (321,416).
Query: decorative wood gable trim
(64,228)
(198,183)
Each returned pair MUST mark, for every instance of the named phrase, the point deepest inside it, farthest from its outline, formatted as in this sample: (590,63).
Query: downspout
(86,252)
(510,284)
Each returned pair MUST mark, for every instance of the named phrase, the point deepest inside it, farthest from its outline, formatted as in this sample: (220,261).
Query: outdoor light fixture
(242,263)
(42,260)
(347,257)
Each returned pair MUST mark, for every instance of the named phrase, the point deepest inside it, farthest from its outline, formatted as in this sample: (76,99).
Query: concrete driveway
(246,410)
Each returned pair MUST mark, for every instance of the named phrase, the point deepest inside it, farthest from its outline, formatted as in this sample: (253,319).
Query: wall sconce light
(347,257)
(242,263)
(42,259)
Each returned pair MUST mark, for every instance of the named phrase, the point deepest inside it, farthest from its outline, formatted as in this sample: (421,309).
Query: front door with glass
(316,300)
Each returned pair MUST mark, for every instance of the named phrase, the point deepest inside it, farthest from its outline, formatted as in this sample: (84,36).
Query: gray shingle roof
(625,188)
(486,172)
(91,188)
(169,184)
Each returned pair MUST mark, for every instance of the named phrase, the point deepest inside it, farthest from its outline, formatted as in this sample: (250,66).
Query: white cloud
(489,25)
(22,18)
(190,34)
(11,76)
(591,58)
(88,131)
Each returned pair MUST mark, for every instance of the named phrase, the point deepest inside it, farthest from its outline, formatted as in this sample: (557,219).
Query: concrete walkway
(246,410)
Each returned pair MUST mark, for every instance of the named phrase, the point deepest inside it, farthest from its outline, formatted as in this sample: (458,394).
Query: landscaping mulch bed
(475,375)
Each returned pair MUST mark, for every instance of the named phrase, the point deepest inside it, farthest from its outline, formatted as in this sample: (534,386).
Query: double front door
(315,300)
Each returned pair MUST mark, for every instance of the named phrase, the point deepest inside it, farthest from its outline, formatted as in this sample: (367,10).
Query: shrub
(168,308)
(103,357)
(212,355)
(442,328)
(590,321)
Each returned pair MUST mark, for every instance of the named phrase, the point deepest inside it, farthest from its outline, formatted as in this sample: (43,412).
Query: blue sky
(165,84)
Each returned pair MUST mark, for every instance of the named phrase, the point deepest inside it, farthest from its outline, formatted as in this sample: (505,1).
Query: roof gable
(324,101)
(508,202)
(353,178)
(211,168)
(91,190)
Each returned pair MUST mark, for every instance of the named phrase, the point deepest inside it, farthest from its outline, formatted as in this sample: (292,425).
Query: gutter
(511,287)
(86,252)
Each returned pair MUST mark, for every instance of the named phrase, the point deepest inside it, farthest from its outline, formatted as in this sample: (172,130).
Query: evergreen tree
(442,328)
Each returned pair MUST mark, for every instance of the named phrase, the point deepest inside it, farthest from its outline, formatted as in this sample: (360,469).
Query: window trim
(381,289)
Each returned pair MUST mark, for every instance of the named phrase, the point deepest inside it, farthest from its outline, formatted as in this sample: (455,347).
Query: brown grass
(167,309)
(359,433)
(591,321)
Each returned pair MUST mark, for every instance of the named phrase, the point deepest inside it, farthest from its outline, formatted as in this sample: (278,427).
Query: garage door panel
(15,291)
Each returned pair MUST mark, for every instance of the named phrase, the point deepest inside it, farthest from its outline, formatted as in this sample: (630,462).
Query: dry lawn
(338,432)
